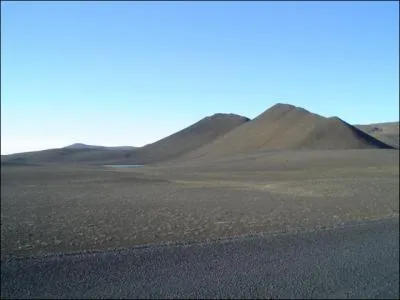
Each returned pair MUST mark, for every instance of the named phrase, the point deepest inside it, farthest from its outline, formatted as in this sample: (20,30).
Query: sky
(130,73)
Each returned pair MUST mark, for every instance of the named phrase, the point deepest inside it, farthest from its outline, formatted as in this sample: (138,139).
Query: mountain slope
(386,132)
(285,126)
(199,134)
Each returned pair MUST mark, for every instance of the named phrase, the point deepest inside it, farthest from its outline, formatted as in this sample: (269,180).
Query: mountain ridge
(285,126)
(86,146)
(282,126)
(187,139)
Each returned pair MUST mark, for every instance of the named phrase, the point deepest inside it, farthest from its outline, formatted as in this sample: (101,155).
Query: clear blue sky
(126,73)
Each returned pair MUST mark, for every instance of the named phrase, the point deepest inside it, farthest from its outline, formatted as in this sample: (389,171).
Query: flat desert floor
(59,209)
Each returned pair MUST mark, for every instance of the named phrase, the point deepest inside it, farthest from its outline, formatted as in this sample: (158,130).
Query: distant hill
(285,126)
(84,146)
(386,132)
(188,139)
(282,126)
(66,155)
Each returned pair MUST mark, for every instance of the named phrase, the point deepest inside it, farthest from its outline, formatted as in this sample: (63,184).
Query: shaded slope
(335,133)
(285,126)
(386,132)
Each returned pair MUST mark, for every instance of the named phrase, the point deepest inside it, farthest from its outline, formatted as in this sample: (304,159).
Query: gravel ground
(52,209)
(356,261)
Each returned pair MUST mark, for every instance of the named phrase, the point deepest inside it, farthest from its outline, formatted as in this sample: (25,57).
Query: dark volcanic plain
(47,209)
